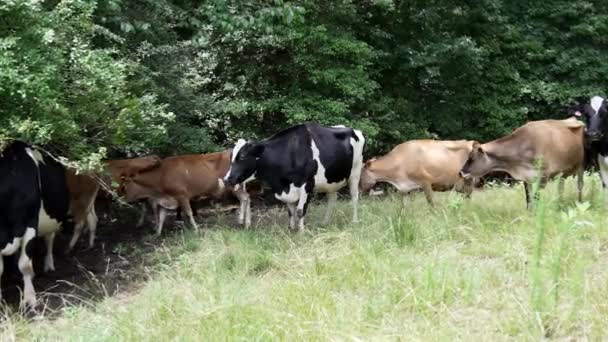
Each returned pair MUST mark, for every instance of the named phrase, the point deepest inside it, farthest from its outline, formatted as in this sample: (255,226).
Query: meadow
(484,269)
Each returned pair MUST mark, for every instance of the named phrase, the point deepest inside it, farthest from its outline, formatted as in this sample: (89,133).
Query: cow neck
(505,152)
(383,168)
(224,162)
(150,178)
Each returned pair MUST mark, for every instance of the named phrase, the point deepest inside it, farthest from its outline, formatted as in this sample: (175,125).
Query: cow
(299,160)
(34,201)
(120,169)
(537,150)
(84,188)
(595,115)
(180,179)
(421,164)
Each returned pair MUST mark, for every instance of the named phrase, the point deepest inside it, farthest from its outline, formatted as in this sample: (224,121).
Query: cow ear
(257,150)
(369,162)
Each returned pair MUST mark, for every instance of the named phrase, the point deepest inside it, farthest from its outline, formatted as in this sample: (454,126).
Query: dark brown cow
(539,149)
(420,164)
(183,178)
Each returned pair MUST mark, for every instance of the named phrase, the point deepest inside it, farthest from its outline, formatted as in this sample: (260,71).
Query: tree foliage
(119,77)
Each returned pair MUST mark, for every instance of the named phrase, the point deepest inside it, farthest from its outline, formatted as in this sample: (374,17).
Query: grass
(485,269)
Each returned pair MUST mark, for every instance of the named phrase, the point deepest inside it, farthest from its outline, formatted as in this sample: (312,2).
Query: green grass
(485,269)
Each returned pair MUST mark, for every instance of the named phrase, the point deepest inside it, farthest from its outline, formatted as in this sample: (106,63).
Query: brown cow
(120,169)
(183,178)
(84,188)
(420,164)
(553,147)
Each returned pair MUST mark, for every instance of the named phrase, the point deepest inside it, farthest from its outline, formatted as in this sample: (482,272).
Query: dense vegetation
(116,77)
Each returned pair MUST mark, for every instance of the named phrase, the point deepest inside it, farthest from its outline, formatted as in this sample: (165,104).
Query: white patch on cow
(252,177)
(603,163)
(30,233)
(339,126)
(221,185)
(596,103)
(46,224)
(12,247)
(321,183)
(235,151)
(35,155)
(291,196)
(303,197)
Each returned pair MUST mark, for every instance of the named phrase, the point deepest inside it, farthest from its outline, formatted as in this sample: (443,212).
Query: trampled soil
(86,276)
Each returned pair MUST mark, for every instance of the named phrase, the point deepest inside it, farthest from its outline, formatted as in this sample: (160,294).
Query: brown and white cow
(421,164)
(537,150)
(183,178)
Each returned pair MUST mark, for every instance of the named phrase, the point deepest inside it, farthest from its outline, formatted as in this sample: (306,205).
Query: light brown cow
(553,147)
(183,178)
(84,188)
(420,164)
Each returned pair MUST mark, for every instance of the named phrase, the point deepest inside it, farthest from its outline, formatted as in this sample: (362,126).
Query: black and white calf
(595,116)
(34,201)
(299,160)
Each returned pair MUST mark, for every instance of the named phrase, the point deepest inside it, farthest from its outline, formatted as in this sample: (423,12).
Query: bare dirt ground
(114,265)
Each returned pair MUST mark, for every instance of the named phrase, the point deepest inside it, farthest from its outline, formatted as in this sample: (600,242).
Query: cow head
(478,163)
(244,163)
(595,116)
(368,179)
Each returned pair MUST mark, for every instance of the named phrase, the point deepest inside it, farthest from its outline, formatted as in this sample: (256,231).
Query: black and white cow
(595,116)
(34,201)
(299,160)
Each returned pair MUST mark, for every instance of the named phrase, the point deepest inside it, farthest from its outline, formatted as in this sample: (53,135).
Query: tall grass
(484,269)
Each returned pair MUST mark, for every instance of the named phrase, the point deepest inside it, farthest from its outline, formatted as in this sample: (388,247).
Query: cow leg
(580,179)
(184,203)
(560,188)
(353,184)
(1,271)
(603,166)
(142,216)
(76,234)
(291,210)
(245,206)
(26,268)
(527,190)
(332,198)
(92,226)
(162,215)
(468,187)
(428,193)
(49,262)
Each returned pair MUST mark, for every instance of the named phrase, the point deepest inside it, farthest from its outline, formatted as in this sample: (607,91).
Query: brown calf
(183,178)
(420,164)
(553,147)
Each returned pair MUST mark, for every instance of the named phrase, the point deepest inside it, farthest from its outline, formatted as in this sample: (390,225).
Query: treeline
(93,79)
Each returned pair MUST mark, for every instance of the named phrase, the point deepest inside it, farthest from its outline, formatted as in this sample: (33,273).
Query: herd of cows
(39,195)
